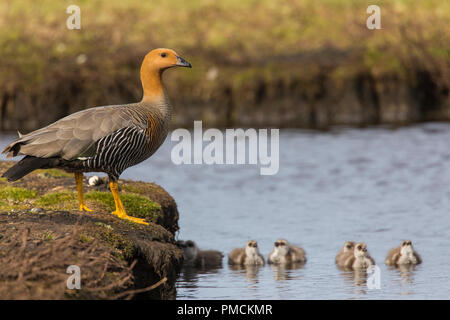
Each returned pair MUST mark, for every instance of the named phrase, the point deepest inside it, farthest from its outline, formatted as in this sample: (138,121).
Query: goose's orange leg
(79,182)
(120,210)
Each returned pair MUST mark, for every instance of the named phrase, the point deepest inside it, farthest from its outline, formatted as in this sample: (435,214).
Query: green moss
(54,173)
(135,205)
(16,194)
(117,241)
(48,236)
(85,238)
(132,189)
(56,200)
(142,188)
(13,206)
(101,224)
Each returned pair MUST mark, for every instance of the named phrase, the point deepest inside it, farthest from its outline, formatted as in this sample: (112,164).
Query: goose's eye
(163,54)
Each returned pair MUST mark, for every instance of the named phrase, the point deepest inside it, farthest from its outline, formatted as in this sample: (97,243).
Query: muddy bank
(301,92)
(321,97)
(42,233)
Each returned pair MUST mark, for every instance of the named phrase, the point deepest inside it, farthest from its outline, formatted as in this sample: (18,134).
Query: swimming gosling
(403,255)
(246,256)
(285,253)
(360,259)
(195,257)
(345,253)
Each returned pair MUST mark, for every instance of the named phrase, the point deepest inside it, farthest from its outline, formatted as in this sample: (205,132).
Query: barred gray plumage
(118,151)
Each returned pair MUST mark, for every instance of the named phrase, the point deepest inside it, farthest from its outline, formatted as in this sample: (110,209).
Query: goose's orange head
(155,62)
(162,59)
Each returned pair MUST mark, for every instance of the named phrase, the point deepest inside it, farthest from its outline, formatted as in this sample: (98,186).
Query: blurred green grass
(34,34)
(245,39)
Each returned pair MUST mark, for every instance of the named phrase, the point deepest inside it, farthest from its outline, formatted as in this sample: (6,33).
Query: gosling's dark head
(360,249)
(252,244)
(349,246)
(407,243)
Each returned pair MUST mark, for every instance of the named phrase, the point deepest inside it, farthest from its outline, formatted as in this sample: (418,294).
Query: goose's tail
(27,165)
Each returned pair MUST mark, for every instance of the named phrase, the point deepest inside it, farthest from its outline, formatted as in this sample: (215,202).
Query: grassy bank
(249,57)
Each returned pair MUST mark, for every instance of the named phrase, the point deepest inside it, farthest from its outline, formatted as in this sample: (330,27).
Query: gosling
(195,257)
(361,259)
(345,253)
(246,256)
(403,255)
(285,253)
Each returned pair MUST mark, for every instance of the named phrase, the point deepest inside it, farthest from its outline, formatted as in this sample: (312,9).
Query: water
(374,185)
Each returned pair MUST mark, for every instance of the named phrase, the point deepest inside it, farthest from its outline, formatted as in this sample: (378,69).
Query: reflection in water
(250,271)
(360,277)
(191,273)
(405,271)
(190,276)
(407,278)
(284,271)
(355,278)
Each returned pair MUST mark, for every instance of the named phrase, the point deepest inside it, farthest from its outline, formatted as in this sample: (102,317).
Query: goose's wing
(73,136)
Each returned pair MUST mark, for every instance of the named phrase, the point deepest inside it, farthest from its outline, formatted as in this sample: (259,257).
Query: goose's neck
(153,87)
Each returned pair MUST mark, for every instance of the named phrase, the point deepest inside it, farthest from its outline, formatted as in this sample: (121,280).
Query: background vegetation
(293,63)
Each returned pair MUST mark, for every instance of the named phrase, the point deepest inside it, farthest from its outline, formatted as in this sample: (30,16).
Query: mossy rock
(150,251)
(54,189)
(151,247)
